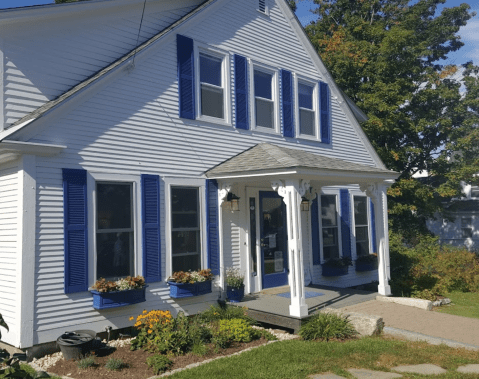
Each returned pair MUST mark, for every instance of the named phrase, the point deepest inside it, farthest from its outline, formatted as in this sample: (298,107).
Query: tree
(386,55)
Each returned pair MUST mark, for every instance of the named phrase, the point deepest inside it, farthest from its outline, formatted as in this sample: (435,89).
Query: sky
(469,34)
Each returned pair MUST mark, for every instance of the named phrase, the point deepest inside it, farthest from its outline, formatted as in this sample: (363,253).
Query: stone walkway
(424,369)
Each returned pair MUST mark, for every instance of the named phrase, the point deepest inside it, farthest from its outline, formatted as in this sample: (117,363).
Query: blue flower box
(334,271)
(370,266)
(106,300)
(234,295)
(181,290)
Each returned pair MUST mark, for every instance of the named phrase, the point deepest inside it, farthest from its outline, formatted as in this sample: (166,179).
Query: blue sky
(469,34)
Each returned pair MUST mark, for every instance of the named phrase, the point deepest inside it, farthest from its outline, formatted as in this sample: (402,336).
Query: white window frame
(309,82)
(353,221)
(274,71)
(200,47)
(134,180)
(467,227)
(338,221)
(201,186)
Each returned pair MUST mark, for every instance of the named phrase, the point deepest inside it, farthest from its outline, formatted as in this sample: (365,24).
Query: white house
(124,134)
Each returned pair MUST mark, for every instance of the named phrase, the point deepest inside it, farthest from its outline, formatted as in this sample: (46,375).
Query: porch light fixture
(234,201)
(304,204)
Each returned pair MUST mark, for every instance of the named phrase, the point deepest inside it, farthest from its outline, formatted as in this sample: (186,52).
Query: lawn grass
(298,359)
(463,304)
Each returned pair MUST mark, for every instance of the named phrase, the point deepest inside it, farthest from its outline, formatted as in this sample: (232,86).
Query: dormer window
(211,83)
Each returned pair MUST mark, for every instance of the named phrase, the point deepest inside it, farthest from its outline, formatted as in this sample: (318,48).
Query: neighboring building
(460,224)
(118,158)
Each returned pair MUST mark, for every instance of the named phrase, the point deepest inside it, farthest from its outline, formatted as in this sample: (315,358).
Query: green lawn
(298,359)
(463,304)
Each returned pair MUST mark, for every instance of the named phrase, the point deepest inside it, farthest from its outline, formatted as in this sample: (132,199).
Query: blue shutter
(186,76)
(345,222)
(287,103)
(212,226)
(76,230)
(373,225)
(315,231)
(150,204)
(241,92)
(325,115)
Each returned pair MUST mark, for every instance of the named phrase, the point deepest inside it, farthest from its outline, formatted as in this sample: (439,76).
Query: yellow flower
(131,318)
(144,311)
(150,331)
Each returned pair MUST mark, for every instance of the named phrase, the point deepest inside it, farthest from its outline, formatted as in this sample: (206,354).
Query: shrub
(324,326)
(236,330)
(114,364)
(225,312)
(149,325)
(85,363)
(159,363)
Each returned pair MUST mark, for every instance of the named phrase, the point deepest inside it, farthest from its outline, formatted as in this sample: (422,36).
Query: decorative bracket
(279,187)
(223,192)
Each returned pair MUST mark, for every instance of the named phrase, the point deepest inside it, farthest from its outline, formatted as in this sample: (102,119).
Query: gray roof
(268,157)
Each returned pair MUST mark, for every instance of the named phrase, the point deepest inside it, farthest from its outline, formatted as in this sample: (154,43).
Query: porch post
(291,191)
(377,193)
(223,190)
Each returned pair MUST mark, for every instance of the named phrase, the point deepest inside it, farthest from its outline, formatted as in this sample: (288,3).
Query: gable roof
(52,104)
(355,114)
(266,157)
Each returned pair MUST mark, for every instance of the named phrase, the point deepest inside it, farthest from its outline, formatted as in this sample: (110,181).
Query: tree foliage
(388,56)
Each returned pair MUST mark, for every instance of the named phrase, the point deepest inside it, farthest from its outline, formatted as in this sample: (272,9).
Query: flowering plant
(370,258)
(191,276)
(123,284)
(234,278)
(339,262)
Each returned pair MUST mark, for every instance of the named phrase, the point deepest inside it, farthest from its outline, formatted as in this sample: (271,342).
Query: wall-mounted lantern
(304,204)
(234,201)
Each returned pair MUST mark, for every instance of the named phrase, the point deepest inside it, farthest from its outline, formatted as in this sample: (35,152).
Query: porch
(271,306)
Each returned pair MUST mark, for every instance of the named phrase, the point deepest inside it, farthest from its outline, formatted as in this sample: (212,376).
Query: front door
(273,240)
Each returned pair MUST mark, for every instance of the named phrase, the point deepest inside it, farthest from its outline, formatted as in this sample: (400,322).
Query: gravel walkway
(456,328)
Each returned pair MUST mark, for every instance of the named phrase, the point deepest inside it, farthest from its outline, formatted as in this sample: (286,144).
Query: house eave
(12,150)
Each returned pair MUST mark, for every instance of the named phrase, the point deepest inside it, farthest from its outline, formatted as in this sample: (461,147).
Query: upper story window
(329,226)
(211,86)
(307,114)
(264,89)
(115,230)
(475,191)
(185,229)
(361,225)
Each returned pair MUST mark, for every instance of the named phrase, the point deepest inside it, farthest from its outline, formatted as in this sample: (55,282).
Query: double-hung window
(185,228)
(466,227)
(114,230)
(329,226)
(264,99)
(361,225)
(306,112)
(212,92)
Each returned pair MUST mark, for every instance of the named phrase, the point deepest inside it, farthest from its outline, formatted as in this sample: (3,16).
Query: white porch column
(223,190)
(291,191)
(377,193)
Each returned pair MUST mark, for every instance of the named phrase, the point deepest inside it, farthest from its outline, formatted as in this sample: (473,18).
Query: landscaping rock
(468,369)
(361,373)
(366,325)
(327,375)
(417,303)
(424,369)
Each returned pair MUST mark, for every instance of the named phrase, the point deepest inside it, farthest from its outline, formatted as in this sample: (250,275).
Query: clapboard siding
(9,209)
(131,127)
(71,50)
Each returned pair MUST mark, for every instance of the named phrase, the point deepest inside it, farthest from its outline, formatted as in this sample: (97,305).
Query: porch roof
(267,159)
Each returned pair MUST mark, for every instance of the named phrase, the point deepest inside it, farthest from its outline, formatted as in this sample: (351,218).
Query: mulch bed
(135,366)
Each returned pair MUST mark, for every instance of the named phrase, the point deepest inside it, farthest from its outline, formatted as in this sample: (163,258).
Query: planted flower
(191,283)
(112,294)
(191,276)
(370,258)
(123,284)
(234,278)
(339,262)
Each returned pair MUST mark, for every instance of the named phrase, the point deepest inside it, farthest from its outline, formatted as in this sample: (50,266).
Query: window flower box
(336,267)
(188,284)
(106,300)
(367,263)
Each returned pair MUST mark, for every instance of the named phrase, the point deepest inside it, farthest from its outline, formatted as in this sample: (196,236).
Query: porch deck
(271,306)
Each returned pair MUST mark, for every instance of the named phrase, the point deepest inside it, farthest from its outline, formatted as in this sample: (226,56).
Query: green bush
(324,326)
(114,364)
(85,363)
(236,330)
(159,363)
(225,312)
(428,269)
